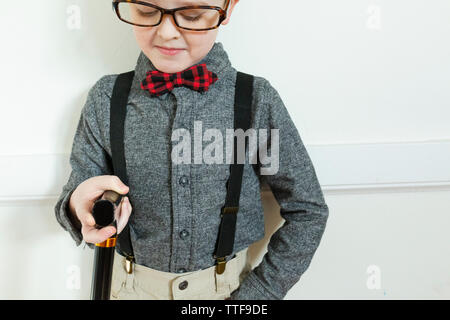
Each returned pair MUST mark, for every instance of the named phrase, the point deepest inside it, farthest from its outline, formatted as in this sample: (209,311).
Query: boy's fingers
(93,235)
(111,182)
(125,212)
(87,218)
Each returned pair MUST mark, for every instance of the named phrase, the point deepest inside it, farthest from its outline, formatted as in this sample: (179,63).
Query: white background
(366,83)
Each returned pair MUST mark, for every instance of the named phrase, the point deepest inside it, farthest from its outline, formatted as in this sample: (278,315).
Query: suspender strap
(118,113)
(242,117)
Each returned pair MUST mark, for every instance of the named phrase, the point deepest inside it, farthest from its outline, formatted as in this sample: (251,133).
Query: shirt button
(181,270)
(183,180)
(184,234)
(183,285)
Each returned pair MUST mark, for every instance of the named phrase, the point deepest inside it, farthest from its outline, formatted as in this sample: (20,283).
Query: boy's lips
(169,51)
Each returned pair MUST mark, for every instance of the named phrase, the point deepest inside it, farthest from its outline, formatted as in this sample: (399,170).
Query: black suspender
(242,119)
(118,112)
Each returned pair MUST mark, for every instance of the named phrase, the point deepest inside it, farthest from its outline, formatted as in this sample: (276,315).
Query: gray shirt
(176,207)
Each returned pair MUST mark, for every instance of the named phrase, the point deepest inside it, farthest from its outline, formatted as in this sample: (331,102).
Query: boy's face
(188,47)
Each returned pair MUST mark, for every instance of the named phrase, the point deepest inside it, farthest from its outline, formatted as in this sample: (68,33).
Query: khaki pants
(150,284)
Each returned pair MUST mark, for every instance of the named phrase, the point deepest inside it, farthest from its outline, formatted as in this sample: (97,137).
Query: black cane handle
(106,209)
(105,212)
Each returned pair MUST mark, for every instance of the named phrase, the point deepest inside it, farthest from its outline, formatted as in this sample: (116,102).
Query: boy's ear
(230,10)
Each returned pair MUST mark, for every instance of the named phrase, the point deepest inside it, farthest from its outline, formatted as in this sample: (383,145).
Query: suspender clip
(221,263)
(227,210)
(129,264)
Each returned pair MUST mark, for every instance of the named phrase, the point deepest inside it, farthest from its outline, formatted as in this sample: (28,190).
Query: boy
(176,207)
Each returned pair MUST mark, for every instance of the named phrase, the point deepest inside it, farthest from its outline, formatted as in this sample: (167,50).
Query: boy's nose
(167,29)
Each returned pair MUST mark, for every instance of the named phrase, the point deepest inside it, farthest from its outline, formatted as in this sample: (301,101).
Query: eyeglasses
(195,18)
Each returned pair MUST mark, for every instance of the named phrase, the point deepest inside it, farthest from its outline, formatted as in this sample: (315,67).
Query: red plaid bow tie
(197,78)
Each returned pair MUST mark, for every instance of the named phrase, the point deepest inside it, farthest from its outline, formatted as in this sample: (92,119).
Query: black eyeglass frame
(222,12)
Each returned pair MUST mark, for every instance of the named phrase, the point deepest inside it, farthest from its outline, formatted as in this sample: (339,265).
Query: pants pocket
(118,278)
(116,288)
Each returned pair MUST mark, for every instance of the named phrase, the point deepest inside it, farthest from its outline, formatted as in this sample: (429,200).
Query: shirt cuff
(66,220)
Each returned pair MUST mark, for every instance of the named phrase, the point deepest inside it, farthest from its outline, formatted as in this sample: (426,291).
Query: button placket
(182,193)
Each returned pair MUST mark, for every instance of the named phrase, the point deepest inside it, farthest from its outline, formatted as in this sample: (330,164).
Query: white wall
(366,83)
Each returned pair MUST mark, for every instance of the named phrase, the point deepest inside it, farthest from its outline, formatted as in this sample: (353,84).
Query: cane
(104,211)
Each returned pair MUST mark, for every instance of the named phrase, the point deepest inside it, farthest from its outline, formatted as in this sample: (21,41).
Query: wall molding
(340,168)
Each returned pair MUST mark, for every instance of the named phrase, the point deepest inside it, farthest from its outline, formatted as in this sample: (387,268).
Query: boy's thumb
(124,188)
(121,187)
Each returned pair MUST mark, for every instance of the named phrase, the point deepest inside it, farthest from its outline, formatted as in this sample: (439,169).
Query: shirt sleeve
(88,158)
(302,205)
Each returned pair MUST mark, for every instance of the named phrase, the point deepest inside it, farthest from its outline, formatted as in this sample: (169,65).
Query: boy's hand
(82,201)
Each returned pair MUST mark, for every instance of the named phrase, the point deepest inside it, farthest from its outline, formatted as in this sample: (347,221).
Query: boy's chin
(171,66)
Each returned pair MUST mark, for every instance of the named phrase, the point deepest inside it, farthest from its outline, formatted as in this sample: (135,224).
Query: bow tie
(197,78)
